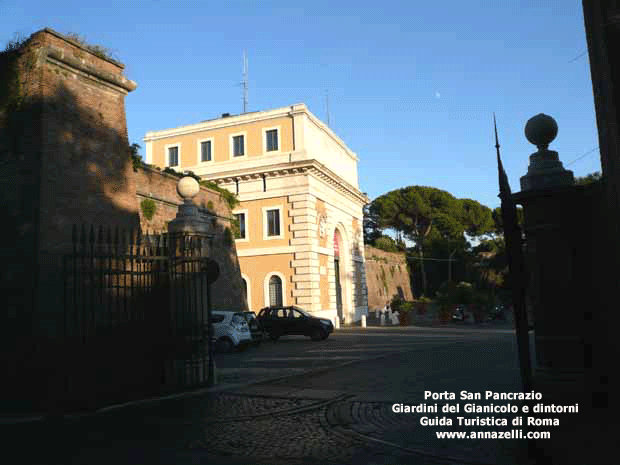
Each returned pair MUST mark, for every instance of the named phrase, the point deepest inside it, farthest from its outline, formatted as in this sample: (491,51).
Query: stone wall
(386,276)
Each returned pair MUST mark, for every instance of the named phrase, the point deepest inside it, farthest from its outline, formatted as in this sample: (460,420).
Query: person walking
(382,321)
(387,311)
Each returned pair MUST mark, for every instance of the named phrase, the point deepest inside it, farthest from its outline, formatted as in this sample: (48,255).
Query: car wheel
(224,345)
(317,335)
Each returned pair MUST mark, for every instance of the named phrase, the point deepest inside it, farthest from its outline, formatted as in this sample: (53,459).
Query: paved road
(340,412)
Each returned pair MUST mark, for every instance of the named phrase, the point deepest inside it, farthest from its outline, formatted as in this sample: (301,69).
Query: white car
(230,330)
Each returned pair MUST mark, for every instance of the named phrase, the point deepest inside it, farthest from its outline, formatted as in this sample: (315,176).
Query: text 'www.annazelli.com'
(512,434)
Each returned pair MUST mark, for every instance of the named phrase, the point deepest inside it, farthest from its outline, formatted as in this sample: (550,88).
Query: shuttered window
(272,140)
(273,222)
(238,146)
(173,156)
(205,150)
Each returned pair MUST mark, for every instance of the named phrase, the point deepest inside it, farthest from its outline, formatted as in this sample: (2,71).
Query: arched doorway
(337,265)
(246,291)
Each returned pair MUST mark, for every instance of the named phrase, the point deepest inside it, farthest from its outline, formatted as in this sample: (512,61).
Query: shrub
(386,243)
(228,237)
(98,50)
(148,208)
(229,197)
(173,172)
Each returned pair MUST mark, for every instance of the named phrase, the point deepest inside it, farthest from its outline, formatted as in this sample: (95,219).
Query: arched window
(275,291)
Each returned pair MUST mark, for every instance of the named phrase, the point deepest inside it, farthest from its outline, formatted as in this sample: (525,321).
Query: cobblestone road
(339,415)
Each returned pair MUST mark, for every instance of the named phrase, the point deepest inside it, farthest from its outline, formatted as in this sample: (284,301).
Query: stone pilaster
(305,264)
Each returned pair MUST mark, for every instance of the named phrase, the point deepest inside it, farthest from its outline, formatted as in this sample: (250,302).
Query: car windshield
(303,312)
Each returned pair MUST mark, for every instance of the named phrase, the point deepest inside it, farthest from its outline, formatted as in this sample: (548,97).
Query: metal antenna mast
(327,106)
(245,82)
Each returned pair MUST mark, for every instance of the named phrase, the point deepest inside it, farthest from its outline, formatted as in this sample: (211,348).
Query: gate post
(550,201)
(191,227)
(560,223)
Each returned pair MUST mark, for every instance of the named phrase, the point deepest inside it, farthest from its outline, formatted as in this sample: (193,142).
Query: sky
(412,85)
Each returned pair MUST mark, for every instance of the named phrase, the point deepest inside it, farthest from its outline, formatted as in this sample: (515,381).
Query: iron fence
(135,309)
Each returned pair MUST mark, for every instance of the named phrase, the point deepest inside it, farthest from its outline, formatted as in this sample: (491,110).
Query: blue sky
(412,85)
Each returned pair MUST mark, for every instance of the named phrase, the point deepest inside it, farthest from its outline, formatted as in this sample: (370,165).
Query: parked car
(230,330)
(256,329)
(497,313)
(279,321)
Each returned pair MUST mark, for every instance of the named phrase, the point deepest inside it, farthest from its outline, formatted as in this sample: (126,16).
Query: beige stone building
(300,215)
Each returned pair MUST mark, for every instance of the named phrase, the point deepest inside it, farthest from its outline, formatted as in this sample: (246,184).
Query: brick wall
(161,188)
(386,272)
(64,160)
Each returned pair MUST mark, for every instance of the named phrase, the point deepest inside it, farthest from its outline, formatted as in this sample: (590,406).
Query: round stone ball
(541,129)
(188,187)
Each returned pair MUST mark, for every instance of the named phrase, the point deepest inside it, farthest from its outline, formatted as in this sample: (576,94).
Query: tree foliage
(426,216)
(418,211)
(388,244)
(497,219)
(589,178)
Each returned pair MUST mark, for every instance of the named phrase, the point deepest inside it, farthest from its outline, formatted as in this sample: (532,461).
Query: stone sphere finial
(540,130)
(188,187)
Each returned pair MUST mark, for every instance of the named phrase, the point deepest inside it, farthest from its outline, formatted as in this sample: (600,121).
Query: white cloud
(437,94)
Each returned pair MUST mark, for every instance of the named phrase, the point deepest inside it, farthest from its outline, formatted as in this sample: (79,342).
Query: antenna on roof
(327,106)
(245,82)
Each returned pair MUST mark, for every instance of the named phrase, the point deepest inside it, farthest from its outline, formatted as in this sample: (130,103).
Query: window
(245,291)
(273,222)
(240,217)
(205,151)
(272,140)
(275,292)
(173,156)
(238,146)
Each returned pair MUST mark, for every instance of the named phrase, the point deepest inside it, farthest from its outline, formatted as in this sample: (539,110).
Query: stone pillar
(191,225)
(550,202)
(560,227)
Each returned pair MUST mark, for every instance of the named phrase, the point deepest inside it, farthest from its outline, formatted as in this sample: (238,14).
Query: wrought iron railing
(135,306)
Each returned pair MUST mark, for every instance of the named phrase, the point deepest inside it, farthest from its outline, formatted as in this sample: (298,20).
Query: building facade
(300,238)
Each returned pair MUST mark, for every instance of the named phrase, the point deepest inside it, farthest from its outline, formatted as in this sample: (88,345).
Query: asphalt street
(298,401)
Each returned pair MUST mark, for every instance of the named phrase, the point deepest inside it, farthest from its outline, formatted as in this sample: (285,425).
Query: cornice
(225,122)
(58,56)
(305,167)
(79,45)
